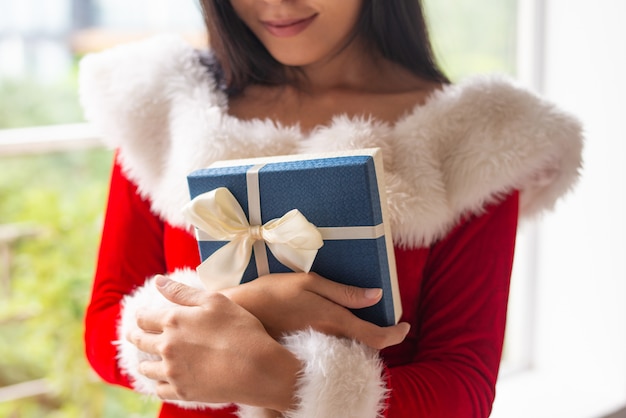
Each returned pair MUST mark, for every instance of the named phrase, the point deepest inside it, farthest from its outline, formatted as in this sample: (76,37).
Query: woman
(462,163)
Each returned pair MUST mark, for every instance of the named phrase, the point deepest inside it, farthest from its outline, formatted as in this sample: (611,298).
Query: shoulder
(135,95)
(473,143)
(142,74)
(509,137)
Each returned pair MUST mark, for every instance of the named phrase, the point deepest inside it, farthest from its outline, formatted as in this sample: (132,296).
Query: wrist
(279,366)
(283,368)
(338,377)
(230,293)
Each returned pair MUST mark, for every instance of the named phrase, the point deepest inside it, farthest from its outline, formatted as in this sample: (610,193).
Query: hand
(212,350)
(293,301)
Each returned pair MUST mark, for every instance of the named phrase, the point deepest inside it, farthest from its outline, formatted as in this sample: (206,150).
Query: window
(53,184)
(473,37)
(577,362)
(43,41)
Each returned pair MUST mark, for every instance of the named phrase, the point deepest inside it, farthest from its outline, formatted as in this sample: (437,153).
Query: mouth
(283,28)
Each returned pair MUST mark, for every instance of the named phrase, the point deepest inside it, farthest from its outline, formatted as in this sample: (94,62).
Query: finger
(152,369)
(149,320)
(344,295)
(348,325)
(166,391)
(144,341)
(381,337)
(179,293)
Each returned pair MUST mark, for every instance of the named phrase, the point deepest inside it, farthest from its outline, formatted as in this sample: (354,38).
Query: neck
(351,68)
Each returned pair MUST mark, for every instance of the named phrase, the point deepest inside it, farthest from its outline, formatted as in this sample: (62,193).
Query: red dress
(454,295)
(459,170)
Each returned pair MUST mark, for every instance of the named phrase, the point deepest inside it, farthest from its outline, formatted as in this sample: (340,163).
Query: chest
(309,112)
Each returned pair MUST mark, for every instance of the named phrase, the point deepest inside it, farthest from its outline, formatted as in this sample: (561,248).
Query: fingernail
(373,293)
(161,281)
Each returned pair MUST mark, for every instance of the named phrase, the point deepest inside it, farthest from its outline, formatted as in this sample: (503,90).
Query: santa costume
(460,170)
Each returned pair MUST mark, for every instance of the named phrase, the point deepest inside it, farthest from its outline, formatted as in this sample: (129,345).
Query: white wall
(579,347)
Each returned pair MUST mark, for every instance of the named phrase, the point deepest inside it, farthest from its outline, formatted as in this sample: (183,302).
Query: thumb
(177,292)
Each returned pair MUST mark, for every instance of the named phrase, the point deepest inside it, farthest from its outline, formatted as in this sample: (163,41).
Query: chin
(294,61)
(295,58)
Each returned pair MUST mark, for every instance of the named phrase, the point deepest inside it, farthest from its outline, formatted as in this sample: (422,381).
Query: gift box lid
(341,193)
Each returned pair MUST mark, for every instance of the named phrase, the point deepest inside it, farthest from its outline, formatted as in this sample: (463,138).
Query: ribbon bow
(292,239)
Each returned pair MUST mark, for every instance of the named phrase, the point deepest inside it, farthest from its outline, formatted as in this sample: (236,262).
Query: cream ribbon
(292,239)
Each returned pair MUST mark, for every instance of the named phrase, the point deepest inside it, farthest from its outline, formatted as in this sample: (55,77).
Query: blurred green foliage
(473,36)
(27,102)
(62,197)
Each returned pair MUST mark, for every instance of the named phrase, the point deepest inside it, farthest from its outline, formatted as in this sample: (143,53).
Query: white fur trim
(340,378)
(467,146)
(129,357)
(472,143)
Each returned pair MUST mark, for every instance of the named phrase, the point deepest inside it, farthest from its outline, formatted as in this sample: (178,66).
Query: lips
(283,28)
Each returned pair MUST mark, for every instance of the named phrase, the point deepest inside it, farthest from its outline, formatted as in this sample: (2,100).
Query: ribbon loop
(292,239)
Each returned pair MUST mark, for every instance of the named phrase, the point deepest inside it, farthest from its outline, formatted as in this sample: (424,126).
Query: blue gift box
(342,194)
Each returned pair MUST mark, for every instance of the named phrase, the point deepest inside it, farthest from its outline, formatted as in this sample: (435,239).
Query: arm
(422,381)
(460,327)
(457,323)
(130,251)
(223,349)
(461,316)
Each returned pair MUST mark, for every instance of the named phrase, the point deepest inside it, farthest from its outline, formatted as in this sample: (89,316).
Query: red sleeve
(131,250)
(460,322)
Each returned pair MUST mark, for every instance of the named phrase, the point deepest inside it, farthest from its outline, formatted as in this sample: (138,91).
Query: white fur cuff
(128,356)
(340,378)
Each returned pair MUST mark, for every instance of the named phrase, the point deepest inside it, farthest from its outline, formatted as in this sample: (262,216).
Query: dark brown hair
(395,28)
